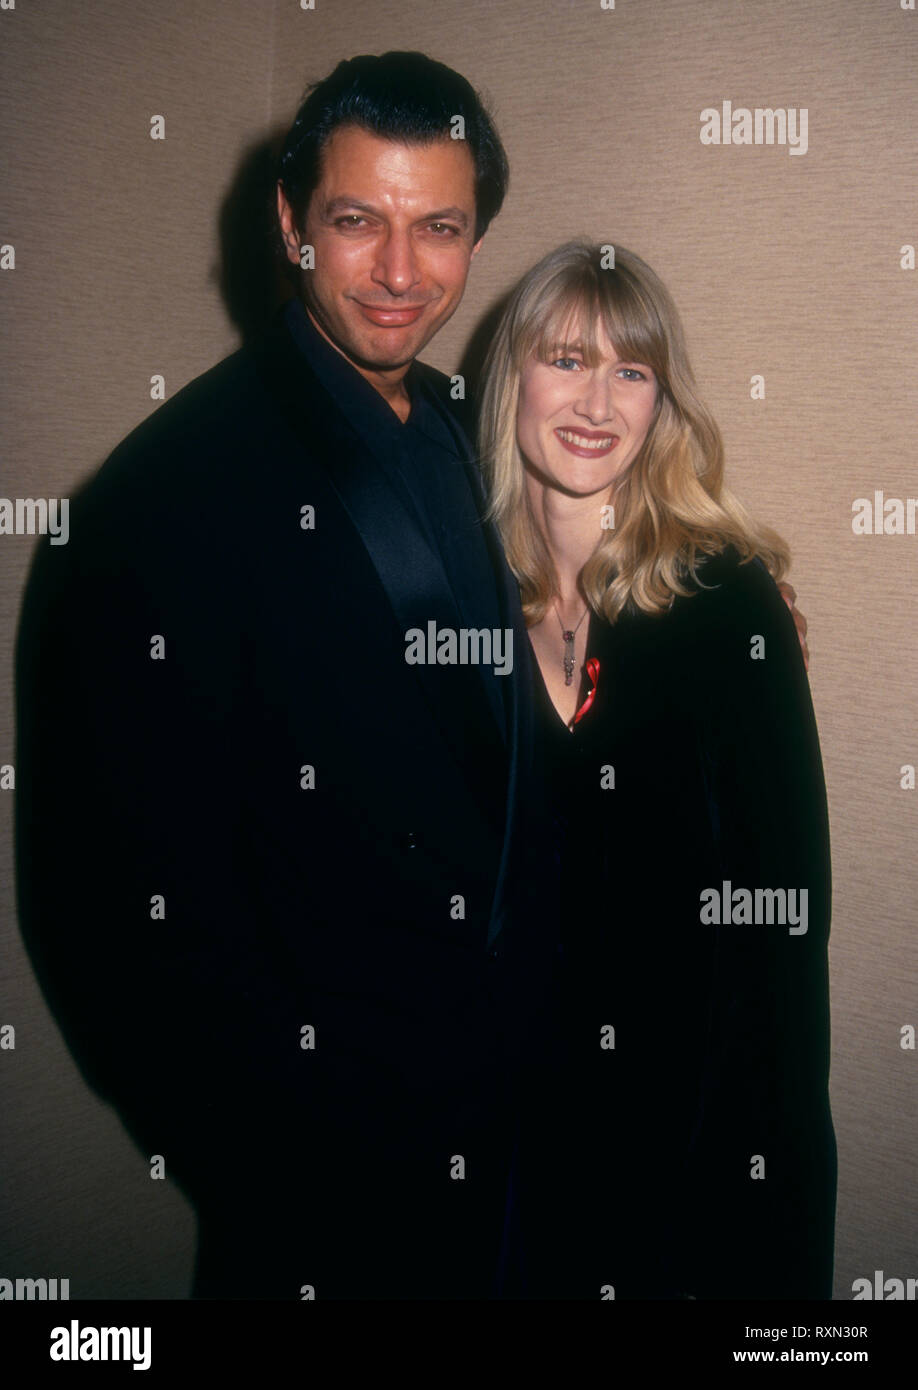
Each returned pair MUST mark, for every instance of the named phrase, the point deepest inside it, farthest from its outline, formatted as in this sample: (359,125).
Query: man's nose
(396,266)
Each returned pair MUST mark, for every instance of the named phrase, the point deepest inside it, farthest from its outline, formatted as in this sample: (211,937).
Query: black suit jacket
(192,905)
(696,1156)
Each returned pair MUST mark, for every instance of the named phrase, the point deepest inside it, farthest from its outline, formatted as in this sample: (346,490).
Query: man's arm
(132,858)
(789,595)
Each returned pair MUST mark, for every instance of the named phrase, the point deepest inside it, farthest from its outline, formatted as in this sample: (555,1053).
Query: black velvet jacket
(194,897)
(697,1156)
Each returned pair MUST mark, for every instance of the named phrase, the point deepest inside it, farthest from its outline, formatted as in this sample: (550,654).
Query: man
(282,871)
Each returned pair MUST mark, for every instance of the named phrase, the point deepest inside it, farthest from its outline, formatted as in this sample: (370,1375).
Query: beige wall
(783,265)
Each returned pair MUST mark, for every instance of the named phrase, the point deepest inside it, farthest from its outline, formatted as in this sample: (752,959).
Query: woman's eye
(565,363)
(632,374)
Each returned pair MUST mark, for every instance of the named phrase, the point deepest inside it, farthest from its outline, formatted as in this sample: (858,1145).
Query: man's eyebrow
(345,204)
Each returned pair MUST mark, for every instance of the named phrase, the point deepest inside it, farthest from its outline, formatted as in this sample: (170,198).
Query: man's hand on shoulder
(789,595)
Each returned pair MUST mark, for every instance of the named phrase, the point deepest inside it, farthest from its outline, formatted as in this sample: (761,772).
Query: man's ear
(287,220)
(477,247)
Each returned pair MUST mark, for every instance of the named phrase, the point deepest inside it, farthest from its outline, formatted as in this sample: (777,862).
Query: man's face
(393,230)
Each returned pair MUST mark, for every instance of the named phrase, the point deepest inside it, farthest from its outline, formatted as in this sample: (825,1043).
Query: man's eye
(350,220)
(443,229)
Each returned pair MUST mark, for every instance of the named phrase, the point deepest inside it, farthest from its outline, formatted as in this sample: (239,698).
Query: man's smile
(396,317)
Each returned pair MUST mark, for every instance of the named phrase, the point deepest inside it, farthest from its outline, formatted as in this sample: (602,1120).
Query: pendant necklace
(569,634)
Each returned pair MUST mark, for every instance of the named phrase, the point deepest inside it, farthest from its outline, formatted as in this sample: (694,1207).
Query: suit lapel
(520,697)
(498,689)
(520,720)
(411,574)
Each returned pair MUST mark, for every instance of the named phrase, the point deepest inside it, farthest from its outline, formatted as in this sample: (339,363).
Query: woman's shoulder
(731,600)
(734,608)
(727,583)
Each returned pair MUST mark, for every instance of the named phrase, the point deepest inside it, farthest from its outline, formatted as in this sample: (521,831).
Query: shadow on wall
(253,275)
(472,363)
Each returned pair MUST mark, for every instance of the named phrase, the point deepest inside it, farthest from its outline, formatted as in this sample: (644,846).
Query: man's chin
(374,353)
(382,360)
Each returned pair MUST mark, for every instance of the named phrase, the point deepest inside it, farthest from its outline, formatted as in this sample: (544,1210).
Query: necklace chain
(569,634)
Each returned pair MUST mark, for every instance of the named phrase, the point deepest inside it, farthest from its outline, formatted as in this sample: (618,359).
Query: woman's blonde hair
(671,506)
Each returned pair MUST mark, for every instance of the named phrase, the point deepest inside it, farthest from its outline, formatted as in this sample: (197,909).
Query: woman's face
(579,427)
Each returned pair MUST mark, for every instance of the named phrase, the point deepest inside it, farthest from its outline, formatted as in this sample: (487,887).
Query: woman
(686,1147)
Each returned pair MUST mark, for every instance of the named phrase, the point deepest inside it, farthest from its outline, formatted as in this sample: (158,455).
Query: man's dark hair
(399,96)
